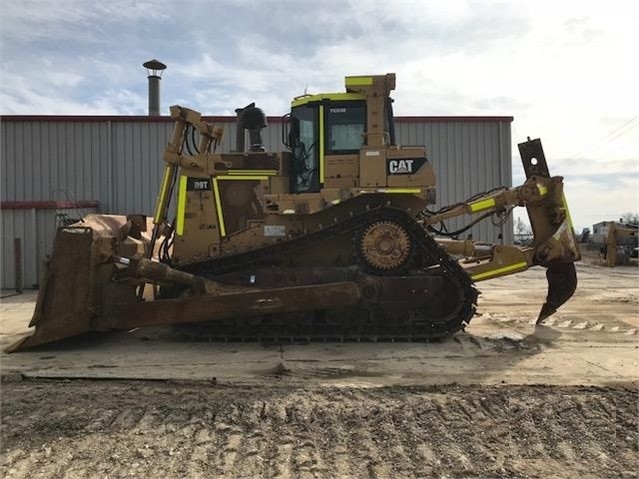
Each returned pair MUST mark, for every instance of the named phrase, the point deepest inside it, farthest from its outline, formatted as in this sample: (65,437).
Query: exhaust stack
(252,119)
(154,69)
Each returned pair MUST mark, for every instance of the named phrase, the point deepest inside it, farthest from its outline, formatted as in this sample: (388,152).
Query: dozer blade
(63,305)
(562,283)
(77,280)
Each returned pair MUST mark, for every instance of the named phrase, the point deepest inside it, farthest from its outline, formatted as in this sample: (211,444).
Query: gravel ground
(85,428)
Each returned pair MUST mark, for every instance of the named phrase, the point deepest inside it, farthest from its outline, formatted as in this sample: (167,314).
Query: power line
(602,141)
(616,148)
(607,142)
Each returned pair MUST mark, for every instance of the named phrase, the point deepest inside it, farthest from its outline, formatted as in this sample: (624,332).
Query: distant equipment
(155,69)
(585,235)
(621,243)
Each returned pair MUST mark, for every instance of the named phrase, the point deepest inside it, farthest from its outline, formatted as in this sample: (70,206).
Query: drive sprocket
(385,246)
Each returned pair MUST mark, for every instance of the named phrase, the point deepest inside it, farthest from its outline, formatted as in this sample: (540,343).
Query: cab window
(345,127)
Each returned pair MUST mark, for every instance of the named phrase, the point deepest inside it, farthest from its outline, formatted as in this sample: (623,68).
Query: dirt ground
(88,428)
(505,398)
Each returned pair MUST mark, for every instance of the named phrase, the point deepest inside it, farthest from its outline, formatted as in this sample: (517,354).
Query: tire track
(120,429)
(330,420)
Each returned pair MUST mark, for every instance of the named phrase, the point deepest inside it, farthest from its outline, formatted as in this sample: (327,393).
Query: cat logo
(405,166)
(397,167)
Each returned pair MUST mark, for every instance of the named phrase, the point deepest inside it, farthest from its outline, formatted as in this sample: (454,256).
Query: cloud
(76,20)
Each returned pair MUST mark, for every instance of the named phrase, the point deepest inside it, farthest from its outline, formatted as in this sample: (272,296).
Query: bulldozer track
(352,325)
(123,429)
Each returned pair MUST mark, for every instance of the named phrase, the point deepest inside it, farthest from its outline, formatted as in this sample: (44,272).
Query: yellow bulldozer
(620,243)
(334,239)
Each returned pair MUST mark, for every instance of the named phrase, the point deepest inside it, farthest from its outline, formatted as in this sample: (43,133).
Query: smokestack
(154,69)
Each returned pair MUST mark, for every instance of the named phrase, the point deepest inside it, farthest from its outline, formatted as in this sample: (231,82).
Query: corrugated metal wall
(469,157)
(118,162)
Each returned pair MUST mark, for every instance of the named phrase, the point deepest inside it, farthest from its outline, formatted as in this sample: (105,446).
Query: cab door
(304,144)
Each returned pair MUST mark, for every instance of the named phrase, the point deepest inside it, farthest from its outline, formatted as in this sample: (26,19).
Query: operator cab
(327,125)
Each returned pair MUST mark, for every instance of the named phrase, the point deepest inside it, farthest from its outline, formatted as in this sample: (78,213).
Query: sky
(568,72)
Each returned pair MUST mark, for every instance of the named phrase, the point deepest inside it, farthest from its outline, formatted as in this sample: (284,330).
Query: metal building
(55,168)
